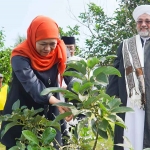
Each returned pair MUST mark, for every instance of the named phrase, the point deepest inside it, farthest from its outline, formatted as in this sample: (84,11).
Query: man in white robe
(133,88)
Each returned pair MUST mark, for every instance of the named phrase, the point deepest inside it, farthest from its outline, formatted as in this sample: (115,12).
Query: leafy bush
(5,67)
(38,133)
(91,100)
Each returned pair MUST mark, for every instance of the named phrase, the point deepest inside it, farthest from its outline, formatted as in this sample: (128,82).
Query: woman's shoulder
(20,58)
(20,62)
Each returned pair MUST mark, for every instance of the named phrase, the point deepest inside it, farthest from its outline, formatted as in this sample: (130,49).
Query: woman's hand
(61,109)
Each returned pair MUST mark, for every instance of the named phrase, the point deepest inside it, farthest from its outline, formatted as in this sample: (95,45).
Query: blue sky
(16,15)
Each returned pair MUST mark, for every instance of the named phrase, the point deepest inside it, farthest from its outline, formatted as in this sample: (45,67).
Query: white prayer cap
(1,76)
(140,10)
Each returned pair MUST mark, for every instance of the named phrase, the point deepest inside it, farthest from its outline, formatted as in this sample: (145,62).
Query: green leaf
(96,98)
(71,96)
(103,107)
(79,66)
(52,90)
(30,136)
(119,119)
(74,138)
(16,105)
(103,134)
(83,97)
(108,70)
(62,116)
(74,74)
(110,132)
(14,148)
(64,104)
(85,86)
(23,107)
(44,148)
(66,93)
(88,114)
(56,125)
(126,144)
(38,118)
(111,56)
(120,124)
(76,133)
(114,103)
(48,123)
(30,147)
(102,79)
(104,96)
(122,110)
(89,101)
(32,112)
(76,87)
(111,118)
(48,135)
(7,127)
(103,125)
(76,112)
(91,62)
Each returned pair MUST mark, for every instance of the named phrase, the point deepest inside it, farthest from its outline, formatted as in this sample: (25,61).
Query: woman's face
(44,47)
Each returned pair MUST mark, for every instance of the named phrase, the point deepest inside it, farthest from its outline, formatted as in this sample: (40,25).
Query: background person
(133,87)
(70,49)
(69,81)
(3,93)
(70,44)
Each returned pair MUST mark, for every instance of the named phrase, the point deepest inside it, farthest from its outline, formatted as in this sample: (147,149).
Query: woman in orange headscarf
(36,64)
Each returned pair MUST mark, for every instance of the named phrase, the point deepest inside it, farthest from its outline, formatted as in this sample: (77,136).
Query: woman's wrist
(53,100)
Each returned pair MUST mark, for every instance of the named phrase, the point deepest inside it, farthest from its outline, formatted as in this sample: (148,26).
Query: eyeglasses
(141,21)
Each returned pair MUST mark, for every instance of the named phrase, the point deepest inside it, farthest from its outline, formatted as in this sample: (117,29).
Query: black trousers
(1,112)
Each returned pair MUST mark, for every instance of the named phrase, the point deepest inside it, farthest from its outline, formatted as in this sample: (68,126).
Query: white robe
(134,121)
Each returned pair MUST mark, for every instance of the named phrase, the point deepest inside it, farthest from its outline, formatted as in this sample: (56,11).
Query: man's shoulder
(130,38)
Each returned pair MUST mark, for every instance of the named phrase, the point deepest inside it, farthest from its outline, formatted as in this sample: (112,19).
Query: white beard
(144,33)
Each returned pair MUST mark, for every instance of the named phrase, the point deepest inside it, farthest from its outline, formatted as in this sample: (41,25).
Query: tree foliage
(5,67)
(19,40)
(5,53)
(72,31)
(104,34)
(2,37)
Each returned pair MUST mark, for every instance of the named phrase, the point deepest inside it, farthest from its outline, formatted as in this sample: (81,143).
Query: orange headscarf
(42,28)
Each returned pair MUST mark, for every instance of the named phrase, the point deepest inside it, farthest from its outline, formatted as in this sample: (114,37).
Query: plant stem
(57,143)
(94,147)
